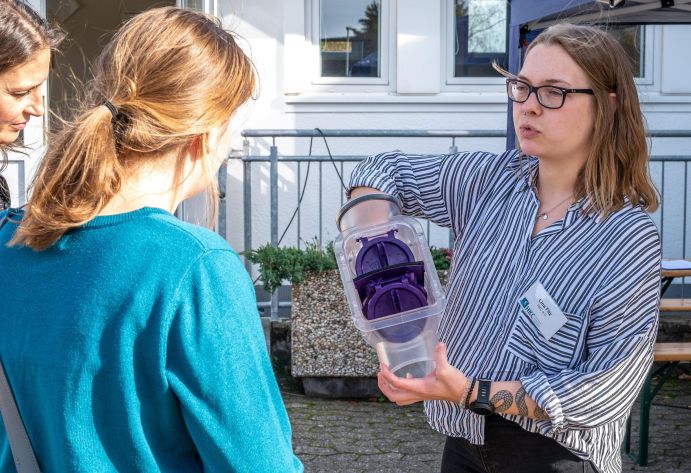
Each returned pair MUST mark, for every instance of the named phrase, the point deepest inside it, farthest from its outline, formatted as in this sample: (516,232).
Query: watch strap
(483,389)
(482,404)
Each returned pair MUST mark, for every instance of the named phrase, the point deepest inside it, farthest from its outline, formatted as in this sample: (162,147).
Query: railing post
(273,173)
(453,149)
(247,199)
(222,180)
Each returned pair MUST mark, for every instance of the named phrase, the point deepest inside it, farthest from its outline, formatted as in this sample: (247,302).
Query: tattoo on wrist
(540,413)
(502,401)
(520,402)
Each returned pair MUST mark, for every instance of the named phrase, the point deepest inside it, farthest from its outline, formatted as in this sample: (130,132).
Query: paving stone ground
(334,436)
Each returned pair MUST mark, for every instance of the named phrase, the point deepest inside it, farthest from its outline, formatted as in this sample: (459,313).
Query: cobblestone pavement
(379,437)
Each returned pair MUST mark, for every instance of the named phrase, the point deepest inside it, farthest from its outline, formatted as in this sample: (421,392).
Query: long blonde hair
(172,75)
(617,165)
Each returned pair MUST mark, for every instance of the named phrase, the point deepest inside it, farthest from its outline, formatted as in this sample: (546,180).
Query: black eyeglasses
(549,96)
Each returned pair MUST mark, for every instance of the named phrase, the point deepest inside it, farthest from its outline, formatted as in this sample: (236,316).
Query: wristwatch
(481,405)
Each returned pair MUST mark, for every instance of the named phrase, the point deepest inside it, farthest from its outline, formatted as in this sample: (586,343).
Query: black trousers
(509,448)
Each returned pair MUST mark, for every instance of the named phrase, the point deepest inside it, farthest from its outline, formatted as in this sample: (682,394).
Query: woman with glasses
(131,339)
(553,294)
(26,43)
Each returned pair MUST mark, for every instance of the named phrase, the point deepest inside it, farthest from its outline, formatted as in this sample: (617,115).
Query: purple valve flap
(365,283)
(380,252)
(395,298)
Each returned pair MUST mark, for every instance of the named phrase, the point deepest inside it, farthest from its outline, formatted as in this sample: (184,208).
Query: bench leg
(648,393)
(627,435)
(644,423)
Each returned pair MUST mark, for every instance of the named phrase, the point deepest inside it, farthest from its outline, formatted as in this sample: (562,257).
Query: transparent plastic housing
(405,339)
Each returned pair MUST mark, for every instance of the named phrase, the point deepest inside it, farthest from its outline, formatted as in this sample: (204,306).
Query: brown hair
(617,165)
(23,33)
(173,75)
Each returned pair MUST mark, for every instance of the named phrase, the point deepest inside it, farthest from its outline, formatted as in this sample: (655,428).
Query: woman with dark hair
(26,43)
(554,286)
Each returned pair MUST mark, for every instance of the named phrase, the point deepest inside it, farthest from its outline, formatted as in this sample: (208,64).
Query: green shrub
(289,263)
(441,258)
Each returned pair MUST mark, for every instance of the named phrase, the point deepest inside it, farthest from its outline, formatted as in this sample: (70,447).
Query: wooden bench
(670,354)
(675,305)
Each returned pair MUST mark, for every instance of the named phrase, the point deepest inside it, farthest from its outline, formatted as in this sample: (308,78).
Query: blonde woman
(26,43)
(131,339)
(553,294)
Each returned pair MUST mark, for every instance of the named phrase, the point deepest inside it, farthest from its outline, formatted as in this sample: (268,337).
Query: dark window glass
(631,38)
(481,37)
(193,4)
(349,40)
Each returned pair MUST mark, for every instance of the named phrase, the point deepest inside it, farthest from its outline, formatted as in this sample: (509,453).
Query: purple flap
(380,252)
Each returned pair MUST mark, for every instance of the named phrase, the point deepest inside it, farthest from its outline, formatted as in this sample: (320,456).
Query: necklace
(544,215)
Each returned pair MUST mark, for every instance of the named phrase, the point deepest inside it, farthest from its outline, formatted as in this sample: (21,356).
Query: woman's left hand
(445,382)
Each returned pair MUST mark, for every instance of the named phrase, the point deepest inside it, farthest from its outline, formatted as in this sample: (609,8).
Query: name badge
(542,310)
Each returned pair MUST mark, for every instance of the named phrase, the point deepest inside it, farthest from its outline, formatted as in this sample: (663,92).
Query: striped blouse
(603,273)
(4,194)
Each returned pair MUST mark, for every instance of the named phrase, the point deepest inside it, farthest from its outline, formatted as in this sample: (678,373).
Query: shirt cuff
(537,387)
(381,182)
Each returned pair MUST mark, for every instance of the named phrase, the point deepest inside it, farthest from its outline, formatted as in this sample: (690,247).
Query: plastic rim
(358,200)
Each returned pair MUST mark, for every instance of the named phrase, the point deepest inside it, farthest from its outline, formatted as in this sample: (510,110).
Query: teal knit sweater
(134,344)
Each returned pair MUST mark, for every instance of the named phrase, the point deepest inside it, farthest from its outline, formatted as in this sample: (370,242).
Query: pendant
(544,216)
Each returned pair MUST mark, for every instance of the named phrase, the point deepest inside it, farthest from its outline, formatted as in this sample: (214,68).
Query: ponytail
(150,72)
(78,176)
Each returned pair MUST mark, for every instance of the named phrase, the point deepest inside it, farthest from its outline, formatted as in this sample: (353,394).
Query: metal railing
(664,168)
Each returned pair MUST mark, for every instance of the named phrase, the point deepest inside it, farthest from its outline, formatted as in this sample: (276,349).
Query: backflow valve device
(390,282)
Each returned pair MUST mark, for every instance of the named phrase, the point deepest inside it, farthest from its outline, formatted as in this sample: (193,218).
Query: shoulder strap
(24,458)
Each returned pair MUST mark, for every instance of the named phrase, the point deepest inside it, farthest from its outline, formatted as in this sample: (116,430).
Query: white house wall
(277,32)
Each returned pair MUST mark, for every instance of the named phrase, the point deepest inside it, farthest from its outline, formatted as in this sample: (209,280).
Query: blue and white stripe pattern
(603,273)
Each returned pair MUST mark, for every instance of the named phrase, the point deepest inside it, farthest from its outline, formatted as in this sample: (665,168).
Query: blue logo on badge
(526,306)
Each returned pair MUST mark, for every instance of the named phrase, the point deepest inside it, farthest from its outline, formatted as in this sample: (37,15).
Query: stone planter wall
(325,341)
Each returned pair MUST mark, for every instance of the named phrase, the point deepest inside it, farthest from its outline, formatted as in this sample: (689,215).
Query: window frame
(452,83)
(493,84)
(385,44)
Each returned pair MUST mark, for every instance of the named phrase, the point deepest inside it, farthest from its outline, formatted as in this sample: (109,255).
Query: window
(208,6)
(481,37)
(632,39)
(192,4)
(349,40)
(478,34)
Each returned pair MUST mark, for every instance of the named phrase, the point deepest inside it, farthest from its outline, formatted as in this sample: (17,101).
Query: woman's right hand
(445,382)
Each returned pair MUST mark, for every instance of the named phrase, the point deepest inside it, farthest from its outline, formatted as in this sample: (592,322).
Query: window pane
(193,4)
(481,37)
(349,38)
(631,38)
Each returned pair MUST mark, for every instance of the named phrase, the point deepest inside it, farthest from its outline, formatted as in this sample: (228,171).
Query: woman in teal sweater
(131,339)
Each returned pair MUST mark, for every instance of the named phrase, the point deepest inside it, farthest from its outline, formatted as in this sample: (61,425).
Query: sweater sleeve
(439,188)
(218,367)
(619,345)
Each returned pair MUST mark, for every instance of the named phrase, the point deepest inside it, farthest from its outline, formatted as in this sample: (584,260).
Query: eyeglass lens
(547,96)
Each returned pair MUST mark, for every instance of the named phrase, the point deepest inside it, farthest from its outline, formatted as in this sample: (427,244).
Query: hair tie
(109,105)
